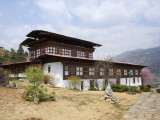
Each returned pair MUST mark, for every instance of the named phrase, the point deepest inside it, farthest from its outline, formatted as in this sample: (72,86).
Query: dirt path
(146,108)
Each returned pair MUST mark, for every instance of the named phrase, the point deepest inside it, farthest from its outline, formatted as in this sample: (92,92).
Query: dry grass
(69,105)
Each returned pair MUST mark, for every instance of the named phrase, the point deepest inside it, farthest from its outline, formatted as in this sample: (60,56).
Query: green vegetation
(11,56)
(123,88)
(145,88)
(36,90)
(119,88)
(74,82)
(92,89)
(158,90)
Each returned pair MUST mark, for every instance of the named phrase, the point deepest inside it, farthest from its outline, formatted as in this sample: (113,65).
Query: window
(118,71)
(101,71)
(126,81)
(80,54)
(134,81)
(138,80)
(38,52)
(131,72)
(50,50)
(91,71)
(34,54)
(66,72)
(79,70)
(125,72)
(110,71)
(90,55)
(49,68)
(136,72)
(66,52)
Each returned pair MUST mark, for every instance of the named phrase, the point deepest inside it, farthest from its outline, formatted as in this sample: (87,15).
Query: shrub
(145,88)
(134,89)
(74,82)
(46,79)
(158,90)
(119,88)
(36,90)
(92,89)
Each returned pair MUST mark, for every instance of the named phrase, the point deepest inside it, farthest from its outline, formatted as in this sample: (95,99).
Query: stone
(4,81)
(13,85)
(109,95)
(8,86)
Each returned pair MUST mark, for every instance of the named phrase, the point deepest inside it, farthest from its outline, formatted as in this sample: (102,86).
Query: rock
(109,95)
(36,100)
(13,85)
(8,86)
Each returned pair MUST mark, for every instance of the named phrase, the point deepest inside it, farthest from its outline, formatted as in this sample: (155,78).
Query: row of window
(79,71)
(53,50)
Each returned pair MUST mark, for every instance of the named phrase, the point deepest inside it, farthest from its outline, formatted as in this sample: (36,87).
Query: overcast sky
(119,25)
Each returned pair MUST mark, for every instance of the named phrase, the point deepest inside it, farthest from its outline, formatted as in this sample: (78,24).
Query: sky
(119,25)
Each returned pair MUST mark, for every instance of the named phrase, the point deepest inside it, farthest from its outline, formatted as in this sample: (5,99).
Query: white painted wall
(86,84)
(123,81)
(57,72)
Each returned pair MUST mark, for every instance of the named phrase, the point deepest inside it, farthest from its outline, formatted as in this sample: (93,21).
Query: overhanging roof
(89,59)
(40,34)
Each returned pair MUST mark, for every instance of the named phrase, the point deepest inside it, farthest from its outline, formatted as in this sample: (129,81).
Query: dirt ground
(69,105)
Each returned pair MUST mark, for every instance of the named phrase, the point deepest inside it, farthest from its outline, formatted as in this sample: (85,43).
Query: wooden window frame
(81,54)
(111,72)
(101,71)
(66,70)
(66,52)
(79,71)
(91,71)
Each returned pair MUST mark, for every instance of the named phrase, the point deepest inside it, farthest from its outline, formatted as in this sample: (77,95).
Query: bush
(134,89)
(119,88)
(92,89)
(158,90)
(46,79)
(145,88)
(149,86)
(36,90)
(124,88)
(74,82)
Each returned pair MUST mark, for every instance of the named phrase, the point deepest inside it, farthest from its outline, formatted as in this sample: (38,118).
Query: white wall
(56,69)
(86,84)
(123,81)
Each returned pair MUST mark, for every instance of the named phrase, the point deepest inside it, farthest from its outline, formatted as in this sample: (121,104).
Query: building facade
(63,57)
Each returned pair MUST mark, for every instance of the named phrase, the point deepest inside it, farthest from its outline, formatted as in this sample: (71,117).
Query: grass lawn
(69,105)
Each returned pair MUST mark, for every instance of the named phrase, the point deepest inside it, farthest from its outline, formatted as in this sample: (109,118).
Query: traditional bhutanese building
(64,56)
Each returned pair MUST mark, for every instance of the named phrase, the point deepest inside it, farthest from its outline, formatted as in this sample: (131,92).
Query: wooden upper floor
(43,42)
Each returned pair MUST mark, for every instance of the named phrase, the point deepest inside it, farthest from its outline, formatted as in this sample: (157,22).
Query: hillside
(149,57)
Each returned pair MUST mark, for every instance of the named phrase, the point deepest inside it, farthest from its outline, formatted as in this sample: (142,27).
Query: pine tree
(13,56)
(20,54)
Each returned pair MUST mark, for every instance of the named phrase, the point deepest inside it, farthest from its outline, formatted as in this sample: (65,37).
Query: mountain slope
(149,57)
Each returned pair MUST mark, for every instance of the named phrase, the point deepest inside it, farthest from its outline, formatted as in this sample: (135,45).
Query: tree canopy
(13,55)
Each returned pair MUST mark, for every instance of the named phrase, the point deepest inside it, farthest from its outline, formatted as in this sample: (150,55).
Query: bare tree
(103,68)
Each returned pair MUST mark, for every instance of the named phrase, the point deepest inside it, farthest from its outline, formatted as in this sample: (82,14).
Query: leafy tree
(146,75)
